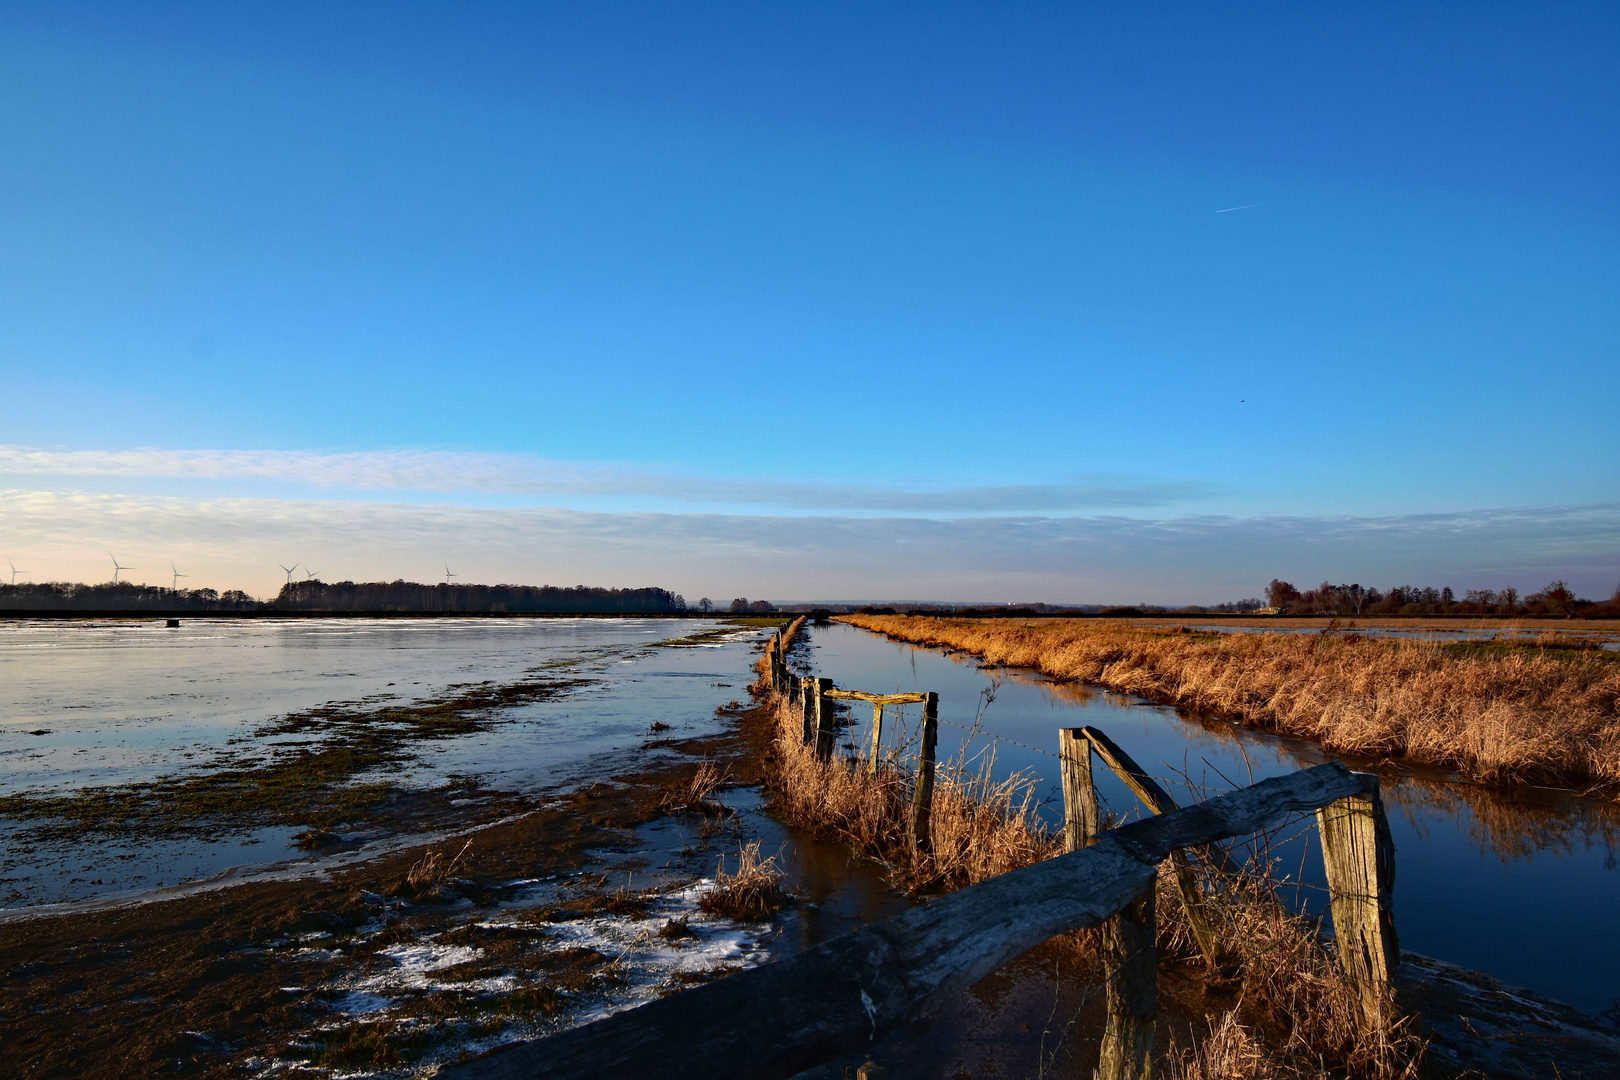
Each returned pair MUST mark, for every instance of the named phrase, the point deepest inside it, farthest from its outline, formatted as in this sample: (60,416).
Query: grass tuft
(751,894)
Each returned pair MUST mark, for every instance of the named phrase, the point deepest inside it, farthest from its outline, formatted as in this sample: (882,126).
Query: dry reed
(698,792)
(1518,716)
(432,869)
(753,893)
(1297,1015)
(980,826)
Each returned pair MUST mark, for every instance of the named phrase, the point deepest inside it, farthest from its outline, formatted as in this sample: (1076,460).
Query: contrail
(1245,206)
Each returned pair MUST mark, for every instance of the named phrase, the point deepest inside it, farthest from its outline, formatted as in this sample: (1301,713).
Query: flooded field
(1523,884)
(427,860)
(575,898)
(107,707)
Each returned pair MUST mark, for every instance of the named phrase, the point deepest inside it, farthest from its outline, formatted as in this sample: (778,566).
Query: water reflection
(1472,859)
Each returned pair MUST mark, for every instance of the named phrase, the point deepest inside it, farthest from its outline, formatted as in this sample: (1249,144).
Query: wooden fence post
(922,796)
(807,691)
(1359,855)
(1131,987)
(1130,964)
(877,738)
(826,721)
(1081,820)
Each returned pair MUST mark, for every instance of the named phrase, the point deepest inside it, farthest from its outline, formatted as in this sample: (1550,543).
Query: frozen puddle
(674,945)
(654,964)
(541,970)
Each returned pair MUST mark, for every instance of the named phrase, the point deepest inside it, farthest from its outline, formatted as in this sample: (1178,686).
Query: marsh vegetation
(1529,710)
(1280,1007)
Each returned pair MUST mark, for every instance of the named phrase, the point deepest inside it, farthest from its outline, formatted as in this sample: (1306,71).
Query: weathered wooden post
(877,738)
(1131,988)
(807,704)
(1359,855)
(1081,819)
(922,796)
(1130,962)
(826,721)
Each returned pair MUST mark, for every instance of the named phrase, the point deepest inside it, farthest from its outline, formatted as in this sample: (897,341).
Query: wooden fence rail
(842,997)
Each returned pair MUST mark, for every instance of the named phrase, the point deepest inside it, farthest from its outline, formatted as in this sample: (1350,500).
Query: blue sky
(798,282)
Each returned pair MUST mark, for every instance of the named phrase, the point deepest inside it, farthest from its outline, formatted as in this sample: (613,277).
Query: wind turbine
(310,575)
(14,571)
(117,568)
(289,570)
(448,575)
(174,586)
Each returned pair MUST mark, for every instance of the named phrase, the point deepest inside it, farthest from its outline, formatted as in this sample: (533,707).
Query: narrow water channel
(1523,884)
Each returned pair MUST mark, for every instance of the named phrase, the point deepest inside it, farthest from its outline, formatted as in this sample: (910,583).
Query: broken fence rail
(839,998)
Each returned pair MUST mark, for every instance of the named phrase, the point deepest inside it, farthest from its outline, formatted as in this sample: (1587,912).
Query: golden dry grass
(980,827)
(1293,1013)
(698,792)
(753,893)
(1516,716)
(1295,1008)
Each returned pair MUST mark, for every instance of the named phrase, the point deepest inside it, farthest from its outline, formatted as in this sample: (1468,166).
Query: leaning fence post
(1131,987)
(877,738)
(1159,801)
(1081,820)
(1359,856)
(922,797)
(826,726)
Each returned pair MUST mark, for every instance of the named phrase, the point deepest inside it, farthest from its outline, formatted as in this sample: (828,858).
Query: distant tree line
(345,596)
(398,596)
(122,596)
(1556,600)
(741,606)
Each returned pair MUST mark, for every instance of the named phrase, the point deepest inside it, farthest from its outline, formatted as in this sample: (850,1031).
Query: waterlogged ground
(1523,884)
(568,906)
(134,756)
(402,983)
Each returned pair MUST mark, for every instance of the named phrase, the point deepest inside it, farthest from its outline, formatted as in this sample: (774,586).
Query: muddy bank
(233,980)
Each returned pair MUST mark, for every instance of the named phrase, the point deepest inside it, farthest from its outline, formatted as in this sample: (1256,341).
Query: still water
(92,704)
(1523,885)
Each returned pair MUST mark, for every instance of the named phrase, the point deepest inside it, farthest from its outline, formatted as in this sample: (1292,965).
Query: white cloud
(421,471)
(237,542)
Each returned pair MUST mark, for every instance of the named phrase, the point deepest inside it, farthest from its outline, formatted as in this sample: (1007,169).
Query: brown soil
(196,985)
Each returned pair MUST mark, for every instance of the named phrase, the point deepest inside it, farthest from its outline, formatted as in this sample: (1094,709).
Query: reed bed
(981,827)
(1519,716)
(1294,1011)
(1285,1009)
